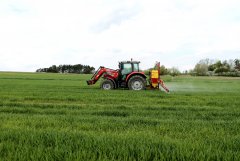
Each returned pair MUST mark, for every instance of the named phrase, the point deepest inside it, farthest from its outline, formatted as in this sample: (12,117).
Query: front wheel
(107,84)
(137,83)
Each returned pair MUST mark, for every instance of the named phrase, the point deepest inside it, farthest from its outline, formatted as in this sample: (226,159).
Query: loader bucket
(89,82)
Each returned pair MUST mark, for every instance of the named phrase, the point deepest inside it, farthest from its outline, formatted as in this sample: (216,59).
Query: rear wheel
(137,82)
(107,84)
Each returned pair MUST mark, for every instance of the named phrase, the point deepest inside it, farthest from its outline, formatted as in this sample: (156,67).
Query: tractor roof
(125,62)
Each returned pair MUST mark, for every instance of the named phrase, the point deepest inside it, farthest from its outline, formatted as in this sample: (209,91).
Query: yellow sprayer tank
(154,77)
(155,80)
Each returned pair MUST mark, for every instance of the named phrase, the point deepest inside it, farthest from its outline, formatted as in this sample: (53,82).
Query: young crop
(59,117)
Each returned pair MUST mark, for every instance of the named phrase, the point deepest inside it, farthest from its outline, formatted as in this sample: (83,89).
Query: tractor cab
(126,70)
(127,67)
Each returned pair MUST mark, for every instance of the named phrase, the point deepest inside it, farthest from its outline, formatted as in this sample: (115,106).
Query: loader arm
(99,73)
(101,70)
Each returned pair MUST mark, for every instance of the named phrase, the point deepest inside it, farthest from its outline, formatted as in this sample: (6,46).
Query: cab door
(126,68)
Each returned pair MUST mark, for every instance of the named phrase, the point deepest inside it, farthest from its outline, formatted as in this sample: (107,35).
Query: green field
(59,117)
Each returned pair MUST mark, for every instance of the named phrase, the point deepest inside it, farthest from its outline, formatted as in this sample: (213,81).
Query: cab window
(135,67)
(126,69)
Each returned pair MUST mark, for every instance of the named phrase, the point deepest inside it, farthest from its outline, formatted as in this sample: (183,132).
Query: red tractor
(127,76)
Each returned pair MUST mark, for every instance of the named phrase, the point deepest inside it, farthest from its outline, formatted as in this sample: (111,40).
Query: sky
(178,33)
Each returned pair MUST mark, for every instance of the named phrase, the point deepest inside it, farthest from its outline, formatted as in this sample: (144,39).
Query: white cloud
(36,34)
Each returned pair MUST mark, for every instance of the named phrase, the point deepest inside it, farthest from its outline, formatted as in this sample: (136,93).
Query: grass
(59,117)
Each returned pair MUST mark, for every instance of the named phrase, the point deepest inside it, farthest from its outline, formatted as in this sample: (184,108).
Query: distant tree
(226,65)
(237,64)
(163,70)
(201,68)
(231,64)
(52,69)
(87,69)
(206,61)
(185,72)
(221,67)
(192,72)
(42,70)
(221,70)
(212,67)
(174,71)
(39,70)
(218,64)
(78,68)
(60,69)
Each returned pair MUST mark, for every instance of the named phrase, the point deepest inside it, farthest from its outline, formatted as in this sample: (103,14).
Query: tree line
(206,67)
(210,67)
(78,69)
